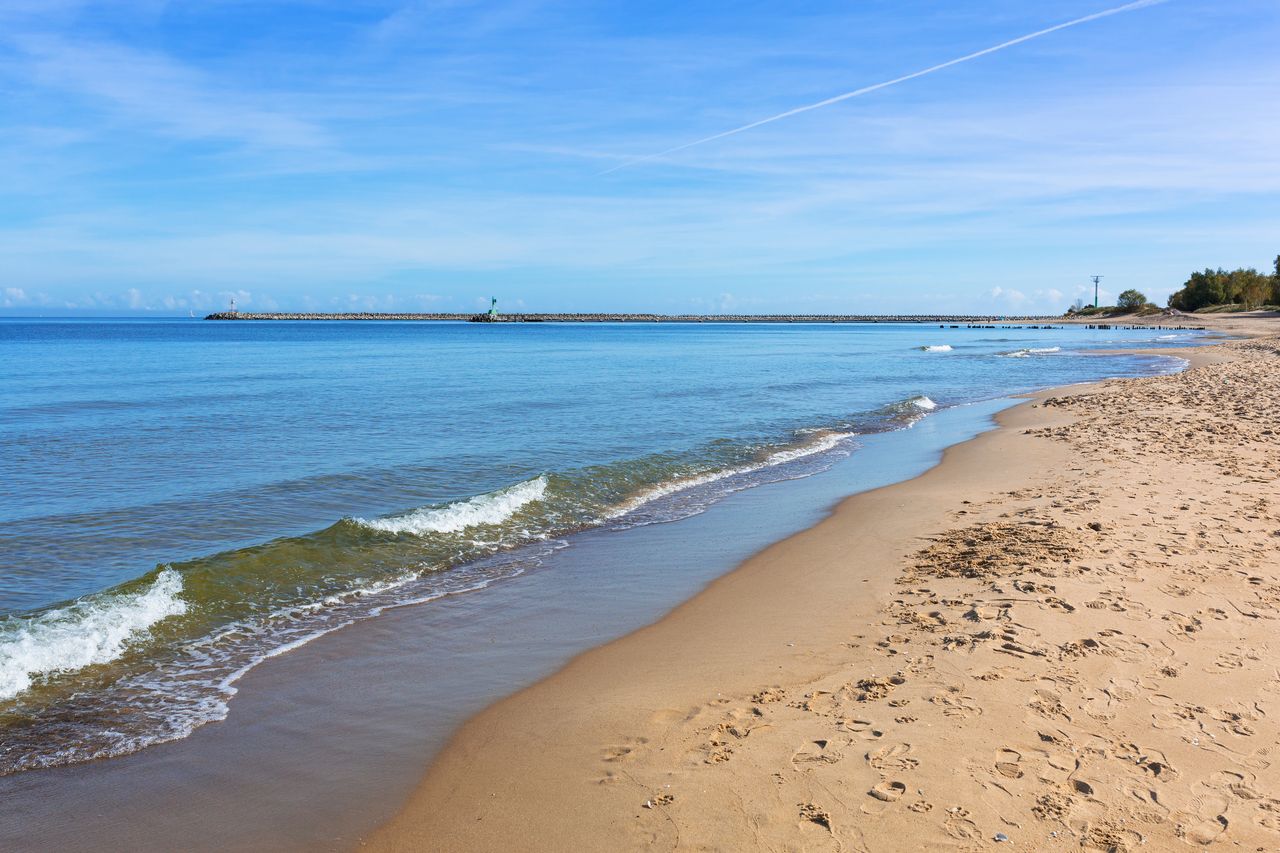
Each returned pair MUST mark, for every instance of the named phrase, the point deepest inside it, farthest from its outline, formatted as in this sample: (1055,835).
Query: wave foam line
(822,445)
(937,348)
(1030,351)
(491,508)
(95,630)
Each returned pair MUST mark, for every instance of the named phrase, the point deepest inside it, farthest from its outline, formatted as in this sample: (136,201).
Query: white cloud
(163,93)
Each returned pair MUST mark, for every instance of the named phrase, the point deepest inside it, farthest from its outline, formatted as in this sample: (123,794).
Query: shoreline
(589,755)
(602,317)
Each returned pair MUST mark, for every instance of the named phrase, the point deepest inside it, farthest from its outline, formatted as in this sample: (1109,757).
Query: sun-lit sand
(1063,636)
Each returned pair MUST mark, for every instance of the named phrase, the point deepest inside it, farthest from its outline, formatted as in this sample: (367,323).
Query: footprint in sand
(1268,814)
(858,726)
(624,751)
(1236,718)
(1199,829)
(1228,661)
(1182,626)
(892,757)
(1007,761)
(1237,784)
(1152,761)
(815,814)
(981,613)
(824,703)
(668,716)
(1052,806)
(1109,838)
(716,751)
(874,688)
(888,792)
(769,694)
(958,826)
(955,705)
(816,752)
(1049,705)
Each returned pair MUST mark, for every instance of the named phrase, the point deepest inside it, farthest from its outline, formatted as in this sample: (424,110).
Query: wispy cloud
(379,153)
(163,93)
(866,90)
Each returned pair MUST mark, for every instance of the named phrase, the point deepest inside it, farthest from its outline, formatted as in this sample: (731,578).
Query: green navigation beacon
(493,307)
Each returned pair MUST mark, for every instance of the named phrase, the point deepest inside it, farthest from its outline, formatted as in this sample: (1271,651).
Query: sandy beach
(1060,637)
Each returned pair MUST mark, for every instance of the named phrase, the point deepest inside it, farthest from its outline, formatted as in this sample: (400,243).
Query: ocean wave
(1030,351)
(94,630)
(238,608)
(825,442)
(491,508)
(907,411)
(937,348)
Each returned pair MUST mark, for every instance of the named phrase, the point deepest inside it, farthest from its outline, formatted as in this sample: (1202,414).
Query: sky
(414,155)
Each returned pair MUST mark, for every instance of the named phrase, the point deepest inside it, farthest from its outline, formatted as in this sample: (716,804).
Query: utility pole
(1096,279)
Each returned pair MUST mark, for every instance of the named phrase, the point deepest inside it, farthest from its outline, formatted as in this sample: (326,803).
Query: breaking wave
(826,442)
(93,630)
(492,508)
(154,659)
(937,348)
(1030,351)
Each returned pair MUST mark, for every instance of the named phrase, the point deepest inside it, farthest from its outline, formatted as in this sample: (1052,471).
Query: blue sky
(160,157)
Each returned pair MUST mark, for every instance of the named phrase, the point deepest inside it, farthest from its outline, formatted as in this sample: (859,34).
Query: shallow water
(183,500)
(327,742)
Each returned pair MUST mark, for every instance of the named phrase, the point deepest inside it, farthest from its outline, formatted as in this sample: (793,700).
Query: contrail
(1128,7)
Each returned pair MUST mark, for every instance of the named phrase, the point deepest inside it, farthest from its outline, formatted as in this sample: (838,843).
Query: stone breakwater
(648,318)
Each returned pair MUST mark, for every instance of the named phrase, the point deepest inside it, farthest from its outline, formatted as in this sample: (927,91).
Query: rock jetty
(958,319)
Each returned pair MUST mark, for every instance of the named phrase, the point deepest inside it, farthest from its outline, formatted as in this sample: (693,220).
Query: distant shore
(592,317)
(1056,638)
(952,319)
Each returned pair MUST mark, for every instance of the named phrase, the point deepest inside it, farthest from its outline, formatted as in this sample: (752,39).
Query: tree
(1249,286)
(1275,284)
(1200,290)
(1131,300)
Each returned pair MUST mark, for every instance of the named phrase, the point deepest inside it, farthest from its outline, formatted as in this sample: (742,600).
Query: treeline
(1246,287)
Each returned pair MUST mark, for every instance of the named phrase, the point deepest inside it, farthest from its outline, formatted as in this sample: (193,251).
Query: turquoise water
(182,499)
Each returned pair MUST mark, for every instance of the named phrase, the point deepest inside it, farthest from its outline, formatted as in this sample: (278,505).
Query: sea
(183,500)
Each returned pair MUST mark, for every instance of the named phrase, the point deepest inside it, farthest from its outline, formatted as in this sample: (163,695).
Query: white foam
(94,630)
(827,442)
(492,508)
(924,403)
(937,348)
(1030,351)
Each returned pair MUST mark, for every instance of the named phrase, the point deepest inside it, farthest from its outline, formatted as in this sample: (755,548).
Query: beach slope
(1061,636)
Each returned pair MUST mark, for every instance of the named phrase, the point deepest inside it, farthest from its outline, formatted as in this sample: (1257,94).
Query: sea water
(181,500)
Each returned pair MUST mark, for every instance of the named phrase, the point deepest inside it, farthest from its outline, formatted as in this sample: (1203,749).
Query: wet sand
(1061,635)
